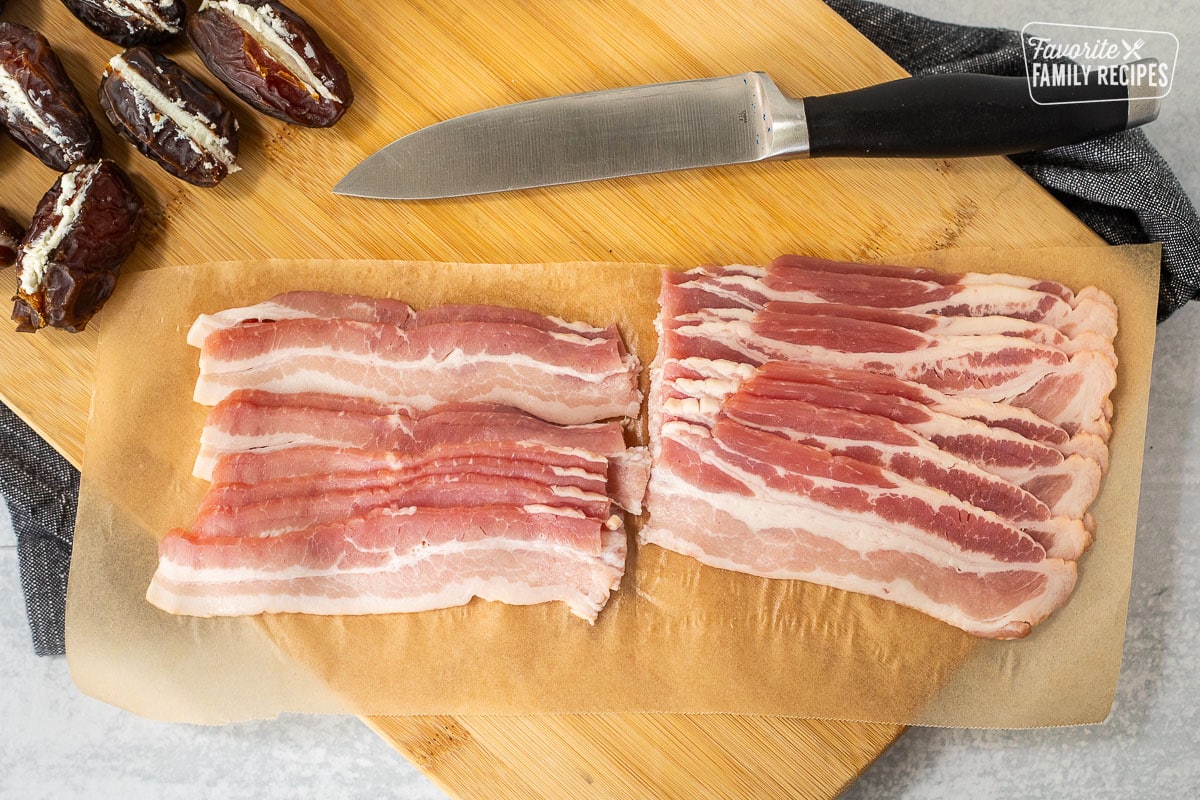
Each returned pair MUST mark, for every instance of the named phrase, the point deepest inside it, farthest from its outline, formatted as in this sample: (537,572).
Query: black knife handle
(939,116)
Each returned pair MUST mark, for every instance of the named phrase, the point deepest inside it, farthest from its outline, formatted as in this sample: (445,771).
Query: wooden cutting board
(415,63)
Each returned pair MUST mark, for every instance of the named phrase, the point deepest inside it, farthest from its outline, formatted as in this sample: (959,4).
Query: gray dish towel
(1119,185)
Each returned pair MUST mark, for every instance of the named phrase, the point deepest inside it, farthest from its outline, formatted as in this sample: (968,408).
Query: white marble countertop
(57,743)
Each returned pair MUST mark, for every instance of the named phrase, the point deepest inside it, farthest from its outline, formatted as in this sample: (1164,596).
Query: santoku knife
(734,120)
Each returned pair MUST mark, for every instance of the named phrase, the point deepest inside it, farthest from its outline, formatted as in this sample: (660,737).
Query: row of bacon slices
(367,459)
(931,439)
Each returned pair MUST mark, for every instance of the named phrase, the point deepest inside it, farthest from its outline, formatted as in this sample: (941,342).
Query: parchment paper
(676,637)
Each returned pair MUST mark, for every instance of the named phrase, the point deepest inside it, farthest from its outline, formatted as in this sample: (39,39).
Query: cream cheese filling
(264,25)
(195,126)
(15,99)
(148,10)
(75,186)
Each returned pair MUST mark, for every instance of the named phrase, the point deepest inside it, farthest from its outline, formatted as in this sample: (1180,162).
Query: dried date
(70,258)
(271,58)
(170,116)
(10,236)
(39,106)
(130,22)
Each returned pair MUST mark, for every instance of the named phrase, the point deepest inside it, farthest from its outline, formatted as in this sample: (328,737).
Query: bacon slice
(329,433)
(1069,392)
(561,378)
(396,560)
(256,420)
(250,477)
(878,441)
(720,497)
(1067,482)
(937,325)
(794,261)
(1091,312)
(302,305)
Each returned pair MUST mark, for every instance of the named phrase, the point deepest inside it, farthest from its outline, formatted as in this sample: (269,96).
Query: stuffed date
(39,106)
(271,58)
(170,116)
(70,258)
(130,22)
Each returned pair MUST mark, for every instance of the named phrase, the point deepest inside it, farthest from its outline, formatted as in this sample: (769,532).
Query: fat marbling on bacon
(932,439)
(368,458)
(479,354)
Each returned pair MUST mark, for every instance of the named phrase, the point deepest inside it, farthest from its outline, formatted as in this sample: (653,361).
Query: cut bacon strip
(280,513)
(917,273)
(849,526)
(256,420)
(310,471)
(1091,312)
(1071,393)
(335,433)
(396,560)
(301,305)
(1065,481)
(543,373)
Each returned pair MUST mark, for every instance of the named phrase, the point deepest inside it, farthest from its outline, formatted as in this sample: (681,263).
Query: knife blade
(734,120)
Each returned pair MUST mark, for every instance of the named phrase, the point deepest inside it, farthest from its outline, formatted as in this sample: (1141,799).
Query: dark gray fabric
(1118,185)
(42,490)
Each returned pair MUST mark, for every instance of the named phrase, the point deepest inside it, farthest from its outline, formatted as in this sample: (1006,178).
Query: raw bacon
(848,526)
(565,380)
(396,560)
(881,442)
(927,438)
(279,513)
(301,305)
(1068,391)
(381,350)
(1089,312)
(312,471)
(1065,480)
(938,325)
(252,425)
(367,458)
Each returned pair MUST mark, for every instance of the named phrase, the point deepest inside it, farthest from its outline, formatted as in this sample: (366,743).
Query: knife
(735,120)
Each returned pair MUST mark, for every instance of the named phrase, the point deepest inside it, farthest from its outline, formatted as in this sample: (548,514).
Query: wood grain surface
(414,63)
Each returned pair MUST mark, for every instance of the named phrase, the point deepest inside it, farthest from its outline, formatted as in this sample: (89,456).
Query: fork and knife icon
(1131,50)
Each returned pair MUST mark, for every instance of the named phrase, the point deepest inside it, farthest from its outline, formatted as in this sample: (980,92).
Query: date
(170,116)
(70,258)
(10,236)
(39,106)
(130,22)
(271,58)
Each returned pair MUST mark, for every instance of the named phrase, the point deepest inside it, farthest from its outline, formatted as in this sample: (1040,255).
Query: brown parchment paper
(676,637)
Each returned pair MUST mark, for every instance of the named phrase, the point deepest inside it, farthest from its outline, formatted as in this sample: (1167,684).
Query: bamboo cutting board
(414,63)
